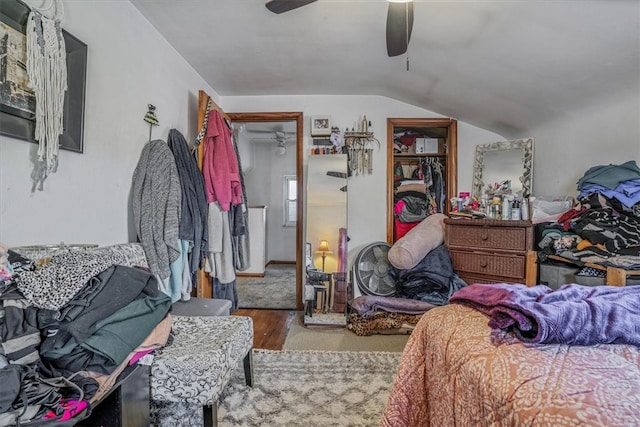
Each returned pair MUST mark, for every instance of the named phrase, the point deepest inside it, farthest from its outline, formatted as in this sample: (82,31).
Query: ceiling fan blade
(337,174)
(398,32)
(280,6)
(282,134)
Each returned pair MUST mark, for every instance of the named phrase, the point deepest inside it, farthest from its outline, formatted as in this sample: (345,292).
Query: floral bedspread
(456,371)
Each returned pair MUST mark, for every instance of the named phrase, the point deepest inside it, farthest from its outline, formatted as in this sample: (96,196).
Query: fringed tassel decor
(47,70)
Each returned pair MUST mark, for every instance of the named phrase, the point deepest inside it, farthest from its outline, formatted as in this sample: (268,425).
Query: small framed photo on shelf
(320,126)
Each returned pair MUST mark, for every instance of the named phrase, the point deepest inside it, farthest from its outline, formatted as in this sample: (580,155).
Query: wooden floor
(270,327)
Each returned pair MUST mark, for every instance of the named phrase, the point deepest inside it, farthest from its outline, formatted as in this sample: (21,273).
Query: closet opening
(421,170)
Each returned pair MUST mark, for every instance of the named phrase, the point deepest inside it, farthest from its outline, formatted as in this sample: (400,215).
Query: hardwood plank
(270,327)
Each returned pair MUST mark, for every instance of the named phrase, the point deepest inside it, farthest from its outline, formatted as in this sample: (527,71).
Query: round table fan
(371,270)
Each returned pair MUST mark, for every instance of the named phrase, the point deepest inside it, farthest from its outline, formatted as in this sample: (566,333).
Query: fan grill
(371,270)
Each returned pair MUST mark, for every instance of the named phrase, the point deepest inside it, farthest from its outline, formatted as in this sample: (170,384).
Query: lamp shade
(324,247)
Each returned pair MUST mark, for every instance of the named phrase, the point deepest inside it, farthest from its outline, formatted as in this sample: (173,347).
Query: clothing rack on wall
(205,105)
(433,160)
(216,107)
(409,165)
(437,162)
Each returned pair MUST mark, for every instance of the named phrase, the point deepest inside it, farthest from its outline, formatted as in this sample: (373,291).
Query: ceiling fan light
(281,150)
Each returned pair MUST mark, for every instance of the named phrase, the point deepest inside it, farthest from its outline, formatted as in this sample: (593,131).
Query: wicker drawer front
(471,279)
(489,264)
(487,237)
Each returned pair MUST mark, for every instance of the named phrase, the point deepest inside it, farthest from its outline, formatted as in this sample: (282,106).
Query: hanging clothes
(431,171)
(219,262)
(220,259)
(239,218)
(193,220)
(228,291)
(438,185)
(157,203)
(228,213)
(220,164)
(228,222)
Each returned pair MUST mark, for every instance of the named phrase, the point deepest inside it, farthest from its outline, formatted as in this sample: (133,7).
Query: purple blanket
(368,305)
(573,314)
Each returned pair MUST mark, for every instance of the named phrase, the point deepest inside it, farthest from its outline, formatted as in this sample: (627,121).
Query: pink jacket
(220,164)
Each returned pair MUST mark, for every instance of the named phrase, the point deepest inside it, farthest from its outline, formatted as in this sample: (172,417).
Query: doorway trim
(298,118)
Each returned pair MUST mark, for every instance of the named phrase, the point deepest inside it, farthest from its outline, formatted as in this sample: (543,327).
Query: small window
(290,200)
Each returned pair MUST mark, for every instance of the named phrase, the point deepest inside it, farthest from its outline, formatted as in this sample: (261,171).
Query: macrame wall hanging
(47,70)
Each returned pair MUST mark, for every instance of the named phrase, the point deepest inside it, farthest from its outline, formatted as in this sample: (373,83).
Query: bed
(457,371)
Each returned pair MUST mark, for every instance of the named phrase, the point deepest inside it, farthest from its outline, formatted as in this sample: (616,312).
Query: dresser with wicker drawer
(492,251)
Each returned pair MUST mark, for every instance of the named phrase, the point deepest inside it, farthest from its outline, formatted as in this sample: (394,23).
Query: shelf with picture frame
(320,126)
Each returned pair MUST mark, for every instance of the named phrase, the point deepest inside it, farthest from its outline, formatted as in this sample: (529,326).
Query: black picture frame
(20,124)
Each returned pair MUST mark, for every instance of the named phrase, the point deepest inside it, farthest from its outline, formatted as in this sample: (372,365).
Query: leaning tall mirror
(326,217)
(504,161)
(326,207)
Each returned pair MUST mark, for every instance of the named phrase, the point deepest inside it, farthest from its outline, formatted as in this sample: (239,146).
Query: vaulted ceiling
(503,65)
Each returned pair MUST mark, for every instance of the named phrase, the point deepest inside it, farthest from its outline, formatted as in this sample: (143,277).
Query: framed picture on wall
(320,126)
(17,100)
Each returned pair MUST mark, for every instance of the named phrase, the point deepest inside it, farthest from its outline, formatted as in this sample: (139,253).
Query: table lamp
(324,250)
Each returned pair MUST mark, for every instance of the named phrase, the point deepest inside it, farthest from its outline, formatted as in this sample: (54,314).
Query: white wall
(601,134)
(129,66)
(264,184)
(367,194)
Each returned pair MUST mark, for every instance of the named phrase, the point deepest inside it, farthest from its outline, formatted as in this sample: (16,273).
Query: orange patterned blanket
(456,371)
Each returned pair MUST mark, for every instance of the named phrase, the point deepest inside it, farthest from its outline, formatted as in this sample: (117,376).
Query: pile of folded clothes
(70,327)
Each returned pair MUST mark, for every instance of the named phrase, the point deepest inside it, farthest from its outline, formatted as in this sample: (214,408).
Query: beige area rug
(334,338)
(301,388)
(276,290)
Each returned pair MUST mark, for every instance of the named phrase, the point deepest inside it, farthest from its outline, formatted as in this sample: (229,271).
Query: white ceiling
(503,65)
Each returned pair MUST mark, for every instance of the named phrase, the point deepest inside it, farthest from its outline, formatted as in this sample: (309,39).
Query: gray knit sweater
(156,202)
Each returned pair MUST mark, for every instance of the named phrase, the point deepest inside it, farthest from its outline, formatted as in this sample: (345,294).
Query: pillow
(411,248)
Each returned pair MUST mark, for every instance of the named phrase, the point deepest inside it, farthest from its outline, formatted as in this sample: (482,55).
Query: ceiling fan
(281,138)
(399,21)
(278,135)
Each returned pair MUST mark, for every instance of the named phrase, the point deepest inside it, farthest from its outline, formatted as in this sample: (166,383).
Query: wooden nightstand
(492,251)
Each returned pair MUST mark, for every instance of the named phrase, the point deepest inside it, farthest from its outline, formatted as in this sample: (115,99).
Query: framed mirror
(326,209)
(504,161)
(274,231)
